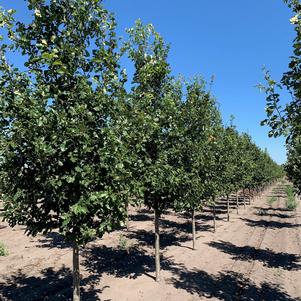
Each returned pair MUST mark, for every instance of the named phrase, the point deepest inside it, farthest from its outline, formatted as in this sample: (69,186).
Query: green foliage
(62,160)
(272,200)
(125,244)
(154,110)
(181,153)
(76,148)
(199,125)
(228,160)
(3,249)
(291,200)
(286,119)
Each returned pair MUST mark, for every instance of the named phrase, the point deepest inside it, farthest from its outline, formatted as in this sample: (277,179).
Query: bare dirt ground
(255,256)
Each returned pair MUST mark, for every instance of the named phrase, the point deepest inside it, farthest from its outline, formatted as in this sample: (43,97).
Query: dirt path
(255,256)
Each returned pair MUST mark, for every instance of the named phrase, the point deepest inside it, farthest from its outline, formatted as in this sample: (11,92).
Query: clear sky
(231,40)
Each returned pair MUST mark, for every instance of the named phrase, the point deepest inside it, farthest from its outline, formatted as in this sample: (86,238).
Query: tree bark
(193,230)
(228,208)
(127,222)
(76,274)
(237,203)
(157,245)
(244,196)
(214,216)
(249,190)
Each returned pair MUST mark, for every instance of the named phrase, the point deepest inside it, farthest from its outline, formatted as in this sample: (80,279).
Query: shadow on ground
(50,285)
(56,285)
(269,224)
(228,286)
(273,209)
(54,240)
(264,212)
(120,263)
(269,258)
(186,228)
(141,217)
(172,237)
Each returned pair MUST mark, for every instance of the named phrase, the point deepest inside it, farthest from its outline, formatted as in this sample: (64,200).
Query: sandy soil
(255,256)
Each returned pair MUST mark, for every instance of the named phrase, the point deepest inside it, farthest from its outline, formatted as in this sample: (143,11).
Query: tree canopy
(285,119)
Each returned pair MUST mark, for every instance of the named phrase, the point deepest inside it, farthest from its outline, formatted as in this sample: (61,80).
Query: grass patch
(291,200)
(125,244)
(3,249)
(272,200)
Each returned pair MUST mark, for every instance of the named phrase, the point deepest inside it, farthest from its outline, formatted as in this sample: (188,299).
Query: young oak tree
(229,163)
(213,168)
(198,123)
(246,168)
(154,105)
(61,156)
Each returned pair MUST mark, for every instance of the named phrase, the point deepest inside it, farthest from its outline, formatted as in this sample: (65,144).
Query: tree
(154,109)
(198,124)
(247,166)
(229,163)
(62,164)
(286,119)
(244,167)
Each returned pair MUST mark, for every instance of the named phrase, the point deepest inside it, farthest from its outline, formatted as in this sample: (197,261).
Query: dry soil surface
(255,256)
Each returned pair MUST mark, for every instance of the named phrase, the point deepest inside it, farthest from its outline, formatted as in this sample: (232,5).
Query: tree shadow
(51,285)
(276,215)
(269,258)
(54,240)
(178,227)
(269,224)
(276,195)
(120,263)
(228,286)
(207,214)
(140,217)
(272,209)
(147,238)
(56,285)
(221,205)
(145,211)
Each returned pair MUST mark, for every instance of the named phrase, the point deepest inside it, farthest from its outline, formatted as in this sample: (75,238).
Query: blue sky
(231,40)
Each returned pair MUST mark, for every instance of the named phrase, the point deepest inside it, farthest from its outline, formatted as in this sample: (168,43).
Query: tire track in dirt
(243,264)
(246,268)
(288,273)
(272,255)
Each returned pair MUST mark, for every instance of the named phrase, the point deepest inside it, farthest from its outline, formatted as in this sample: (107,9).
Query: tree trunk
(249,190)
(76,275)
(214,216)
(228,208)
(157,245)
(193,230)
(237,203)
(127,222)
(244,196)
